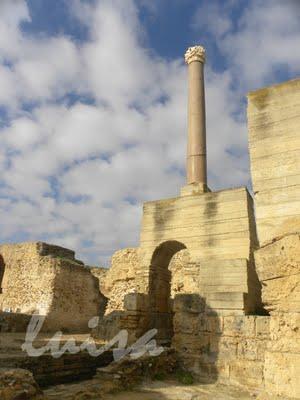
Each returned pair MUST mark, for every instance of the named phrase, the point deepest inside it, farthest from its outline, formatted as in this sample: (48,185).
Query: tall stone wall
(278,266)
(48,279)
(274,144)
(215,228)
(274,141)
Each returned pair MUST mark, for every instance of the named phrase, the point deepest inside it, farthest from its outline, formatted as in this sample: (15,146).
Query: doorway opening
(161,310)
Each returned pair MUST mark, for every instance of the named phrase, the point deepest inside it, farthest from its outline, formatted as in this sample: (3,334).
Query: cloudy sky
(93,100)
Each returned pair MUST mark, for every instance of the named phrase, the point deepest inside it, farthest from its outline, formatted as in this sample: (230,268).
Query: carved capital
(196,53)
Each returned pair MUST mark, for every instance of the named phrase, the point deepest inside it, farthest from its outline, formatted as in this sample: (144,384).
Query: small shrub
(159,376)
(184,377)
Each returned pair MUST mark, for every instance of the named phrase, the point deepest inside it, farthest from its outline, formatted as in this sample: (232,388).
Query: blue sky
(93,108)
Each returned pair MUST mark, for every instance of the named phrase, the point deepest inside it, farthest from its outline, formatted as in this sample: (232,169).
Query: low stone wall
(67,368)
(12,322)
(47,279)
(229,349)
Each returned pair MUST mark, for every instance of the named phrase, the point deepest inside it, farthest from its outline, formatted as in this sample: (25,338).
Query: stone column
(196,148)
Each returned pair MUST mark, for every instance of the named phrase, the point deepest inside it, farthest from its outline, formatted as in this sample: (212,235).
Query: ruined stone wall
(228,349)
(49,280)
(274,144)
(120,278)
(278,266)
(216,226)
(100,274)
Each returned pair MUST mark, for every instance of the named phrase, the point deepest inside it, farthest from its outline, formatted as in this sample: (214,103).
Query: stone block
(278,268)
(262,327)
(248,374)
(225,347)
(136,302)
(191,344)
(188,303)
(240,326)
(225,300)
(282,372)
(213,323)
(186,323)
(285,333)
(251,349)
(224,276)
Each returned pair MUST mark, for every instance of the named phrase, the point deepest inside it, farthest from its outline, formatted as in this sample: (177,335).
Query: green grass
(184,377)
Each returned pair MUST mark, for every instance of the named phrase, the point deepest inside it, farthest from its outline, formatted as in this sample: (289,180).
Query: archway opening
(160,302)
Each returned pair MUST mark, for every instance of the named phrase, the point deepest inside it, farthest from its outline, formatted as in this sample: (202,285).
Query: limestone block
(282,372)
(240,326)
(285,333)
(136,302)
(251,349)
(190,344)
(278,268)
(262,327)
(224,276)
(188,303)
(224,347)
(217,302)
(213,323)
(186,323)
(248,374)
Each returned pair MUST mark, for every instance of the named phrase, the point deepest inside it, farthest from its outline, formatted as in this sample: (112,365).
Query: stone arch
(160,304)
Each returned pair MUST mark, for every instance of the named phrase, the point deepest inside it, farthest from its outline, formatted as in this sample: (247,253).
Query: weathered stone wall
(100,273)
(120,279)
(217,224)
(228,349)
(278,266)
(274,143)
(12,322)
(216,228)
(48,279)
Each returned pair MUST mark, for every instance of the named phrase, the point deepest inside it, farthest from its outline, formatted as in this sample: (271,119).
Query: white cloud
(77,173)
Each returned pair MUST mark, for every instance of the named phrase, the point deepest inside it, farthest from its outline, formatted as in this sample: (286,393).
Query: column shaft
(196,151)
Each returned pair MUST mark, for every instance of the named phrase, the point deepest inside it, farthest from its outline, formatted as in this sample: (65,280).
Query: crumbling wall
(224,348)
(49,280)
(278,266)
(120,279)
(100,273)
(178,266)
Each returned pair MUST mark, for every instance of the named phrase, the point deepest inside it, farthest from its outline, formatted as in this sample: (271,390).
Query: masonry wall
(278,266)
(49,280)
(227,349)
(274,144)
(218,227)
(218,224)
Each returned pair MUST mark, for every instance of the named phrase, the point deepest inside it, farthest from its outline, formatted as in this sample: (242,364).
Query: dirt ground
(167,390)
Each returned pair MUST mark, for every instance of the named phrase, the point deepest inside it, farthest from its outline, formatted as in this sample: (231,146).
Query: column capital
(195,53)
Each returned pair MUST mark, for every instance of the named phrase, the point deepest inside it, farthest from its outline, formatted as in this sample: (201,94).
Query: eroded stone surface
(18,384)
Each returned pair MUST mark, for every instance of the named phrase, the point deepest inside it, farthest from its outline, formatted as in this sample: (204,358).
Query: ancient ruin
(217,273)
